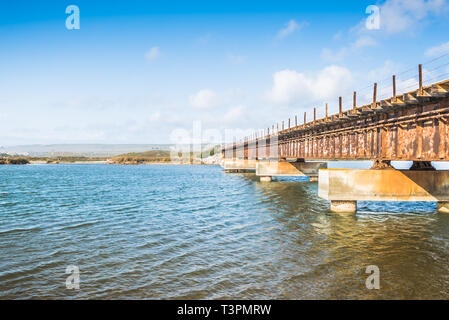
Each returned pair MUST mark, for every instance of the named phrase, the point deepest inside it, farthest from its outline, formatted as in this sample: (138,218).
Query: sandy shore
(62,162)
(127,164)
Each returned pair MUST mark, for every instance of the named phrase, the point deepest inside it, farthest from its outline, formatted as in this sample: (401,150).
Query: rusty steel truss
(410,126)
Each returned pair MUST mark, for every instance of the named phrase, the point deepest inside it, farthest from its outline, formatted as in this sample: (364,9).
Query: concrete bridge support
(239,165)
(344,187)
(443,206)
(268,169)
(265,179)
(344,206)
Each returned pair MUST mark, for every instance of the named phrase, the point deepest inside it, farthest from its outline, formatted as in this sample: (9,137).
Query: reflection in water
(404,245)
(195,232)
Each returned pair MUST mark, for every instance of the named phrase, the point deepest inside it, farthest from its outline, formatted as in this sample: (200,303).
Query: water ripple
(194,232)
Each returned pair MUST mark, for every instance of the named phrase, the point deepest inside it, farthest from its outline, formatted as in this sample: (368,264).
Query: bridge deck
(410,126)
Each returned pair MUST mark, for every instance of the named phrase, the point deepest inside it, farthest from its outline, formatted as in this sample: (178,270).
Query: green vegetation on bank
(8,159)
(13,160)
(162,156)
(65,159)
(153,156)
(147,157)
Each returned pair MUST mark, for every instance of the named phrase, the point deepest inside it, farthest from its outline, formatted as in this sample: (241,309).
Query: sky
(161,71)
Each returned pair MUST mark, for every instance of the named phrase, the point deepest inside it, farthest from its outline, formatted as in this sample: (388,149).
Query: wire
(437,58)
(440,66)
(441,75)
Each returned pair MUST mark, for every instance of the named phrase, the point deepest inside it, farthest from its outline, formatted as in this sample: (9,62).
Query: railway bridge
(411,126)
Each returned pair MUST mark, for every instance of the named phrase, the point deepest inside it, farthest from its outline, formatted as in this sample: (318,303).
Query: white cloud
(397,16)
(438,50)
(334,56)
(234,114)
(290,27)
(153,54)
(338,55)
(387,70)
(203,99)
(364,41)
(290,86)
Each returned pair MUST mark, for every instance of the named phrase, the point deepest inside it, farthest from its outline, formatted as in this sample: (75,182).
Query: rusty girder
(411,126)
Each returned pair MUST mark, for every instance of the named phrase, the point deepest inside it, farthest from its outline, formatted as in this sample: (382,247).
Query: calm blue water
(194,232)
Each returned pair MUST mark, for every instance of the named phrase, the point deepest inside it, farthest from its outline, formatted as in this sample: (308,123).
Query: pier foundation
(289,169)
(443,206)
(343,206)
(265,179)
(239,165)
(343,187)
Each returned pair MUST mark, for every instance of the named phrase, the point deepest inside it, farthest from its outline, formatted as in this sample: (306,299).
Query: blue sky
(137,71)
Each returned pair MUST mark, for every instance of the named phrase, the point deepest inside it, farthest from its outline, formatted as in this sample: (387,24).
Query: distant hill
(86,150)
(162,156)
(142,157)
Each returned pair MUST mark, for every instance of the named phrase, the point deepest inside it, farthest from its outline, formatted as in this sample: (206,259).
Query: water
(194,232)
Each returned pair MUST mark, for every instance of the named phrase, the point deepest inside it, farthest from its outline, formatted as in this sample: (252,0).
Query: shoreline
(127,164)
(74,162)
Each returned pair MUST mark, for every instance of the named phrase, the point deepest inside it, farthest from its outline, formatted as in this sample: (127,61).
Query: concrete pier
(270,169)
(343,187)
(239,165)
(343,206)
(443,206)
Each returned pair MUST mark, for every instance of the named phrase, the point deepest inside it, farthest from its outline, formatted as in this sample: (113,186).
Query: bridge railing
(407,82)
